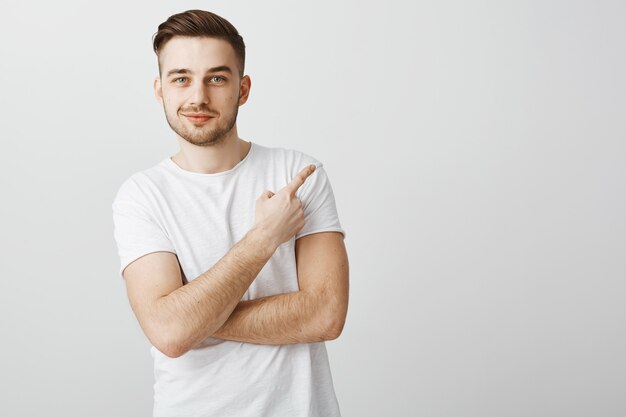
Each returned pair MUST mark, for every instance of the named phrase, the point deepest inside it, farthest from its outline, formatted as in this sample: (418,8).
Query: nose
(199,94)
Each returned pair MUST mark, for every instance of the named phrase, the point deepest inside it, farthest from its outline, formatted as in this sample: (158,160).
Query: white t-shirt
(199,217)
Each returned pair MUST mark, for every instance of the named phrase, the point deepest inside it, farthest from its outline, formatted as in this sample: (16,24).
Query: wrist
(262,239)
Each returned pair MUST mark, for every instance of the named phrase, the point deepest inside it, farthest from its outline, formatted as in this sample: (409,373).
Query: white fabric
(199,217)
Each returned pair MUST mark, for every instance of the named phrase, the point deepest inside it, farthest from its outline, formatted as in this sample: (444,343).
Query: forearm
(296,317)
(194,311)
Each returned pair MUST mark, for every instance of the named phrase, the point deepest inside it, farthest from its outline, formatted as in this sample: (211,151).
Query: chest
(204,223)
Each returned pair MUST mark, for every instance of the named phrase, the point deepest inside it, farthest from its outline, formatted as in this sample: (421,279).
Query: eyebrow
(224,68)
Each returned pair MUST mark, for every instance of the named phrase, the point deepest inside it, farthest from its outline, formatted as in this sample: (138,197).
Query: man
(232,252)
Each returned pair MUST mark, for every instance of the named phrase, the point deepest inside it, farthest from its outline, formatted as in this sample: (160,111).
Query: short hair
(200,23)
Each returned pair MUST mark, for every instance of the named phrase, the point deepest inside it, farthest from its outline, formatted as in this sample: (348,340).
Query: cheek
(172,96)
(233,95)
(172,103)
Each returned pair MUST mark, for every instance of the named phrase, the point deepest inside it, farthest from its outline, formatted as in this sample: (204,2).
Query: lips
(198,117)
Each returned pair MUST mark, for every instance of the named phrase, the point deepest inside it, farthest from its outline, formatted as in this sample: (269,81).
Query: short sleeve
(136,231)
(318,202)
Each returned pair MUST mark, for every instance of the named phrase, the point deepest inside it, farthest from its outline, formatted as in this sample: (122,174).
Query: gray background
(477,152)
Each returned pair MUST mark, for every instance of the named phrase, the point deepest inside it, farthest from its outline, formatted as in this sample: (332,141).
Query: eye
(175,80)
(218,77)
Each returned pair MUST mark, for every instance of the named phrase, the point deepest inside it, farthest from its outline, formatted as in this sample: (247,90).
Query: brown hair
(200,23)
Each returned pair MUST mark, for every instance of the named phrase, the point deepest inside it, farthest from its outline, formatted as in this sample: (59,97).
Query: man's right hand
(168,311)
(280,215)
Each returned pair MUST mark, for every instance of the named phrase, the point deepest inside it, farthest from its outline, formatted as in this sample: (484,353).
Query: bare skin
(211,86)
(315,313)
(177,319)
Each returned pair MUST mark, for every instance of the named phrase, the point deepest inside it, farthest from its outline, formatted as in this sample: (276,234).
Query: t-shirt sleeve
(136,231)
(318,202)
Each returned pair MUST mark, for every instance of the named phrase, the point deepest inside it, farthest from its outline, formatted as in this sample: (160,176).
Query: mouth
(198,117)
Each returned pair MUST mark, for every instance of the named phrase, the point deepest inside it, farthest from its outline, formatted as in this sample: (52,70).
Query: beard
(202,136)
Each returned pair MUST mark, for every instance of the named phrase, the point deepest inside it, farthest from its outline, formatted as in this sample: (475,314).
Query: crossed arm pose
(177,317)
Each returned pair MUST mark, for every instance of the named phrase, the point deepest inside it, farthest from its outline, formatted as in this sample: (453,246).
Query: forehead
(196,53)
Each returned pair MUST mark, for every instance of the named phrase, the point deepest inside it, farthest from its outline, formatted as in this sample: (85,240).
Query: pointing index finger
(299,179)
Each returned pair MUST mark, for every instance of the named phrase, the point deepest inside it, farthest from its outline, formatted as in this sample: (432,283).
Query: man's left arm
(315,313)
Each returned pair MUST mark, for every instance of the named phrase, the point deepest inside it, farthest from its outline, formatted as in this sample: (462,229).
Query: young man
(232,252)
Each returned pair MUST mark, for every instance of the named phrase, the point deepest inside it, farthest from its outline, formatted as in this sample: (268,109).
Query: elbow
(332,334)
(173,352)
(335,319)
(176,346)
(169,343)
(335,327)
(174,338)
(169,347)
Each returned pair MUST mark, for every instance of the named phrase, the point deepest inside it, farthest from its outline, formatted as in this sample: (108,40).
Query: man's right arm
(177,317)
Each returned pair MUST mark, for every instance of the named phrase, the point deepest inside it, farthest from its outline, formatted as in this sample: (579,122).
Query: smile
(198,118)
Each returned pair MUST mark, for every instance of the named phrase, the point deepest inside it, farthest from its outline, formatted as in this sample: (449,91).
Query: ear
(158,90)
(244,89)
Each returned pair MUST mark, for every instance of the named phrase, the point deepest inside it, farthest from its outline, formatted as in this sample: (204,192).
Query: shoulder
(294,160)
(139,184)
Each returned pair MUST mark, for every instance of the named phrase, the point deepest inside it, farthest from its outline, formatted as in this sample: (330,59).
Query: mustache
(200,109)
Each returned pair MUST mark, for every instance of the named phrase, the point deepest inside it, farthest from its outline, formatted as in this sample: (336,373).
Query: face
(200,89)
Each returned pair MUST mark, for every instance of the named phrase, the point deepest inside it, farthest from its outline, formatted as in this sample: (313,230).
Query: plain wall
(477,150)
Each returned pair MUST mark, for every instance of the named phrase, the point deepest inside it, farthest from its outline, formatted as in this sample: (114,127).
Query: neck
(212,159)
